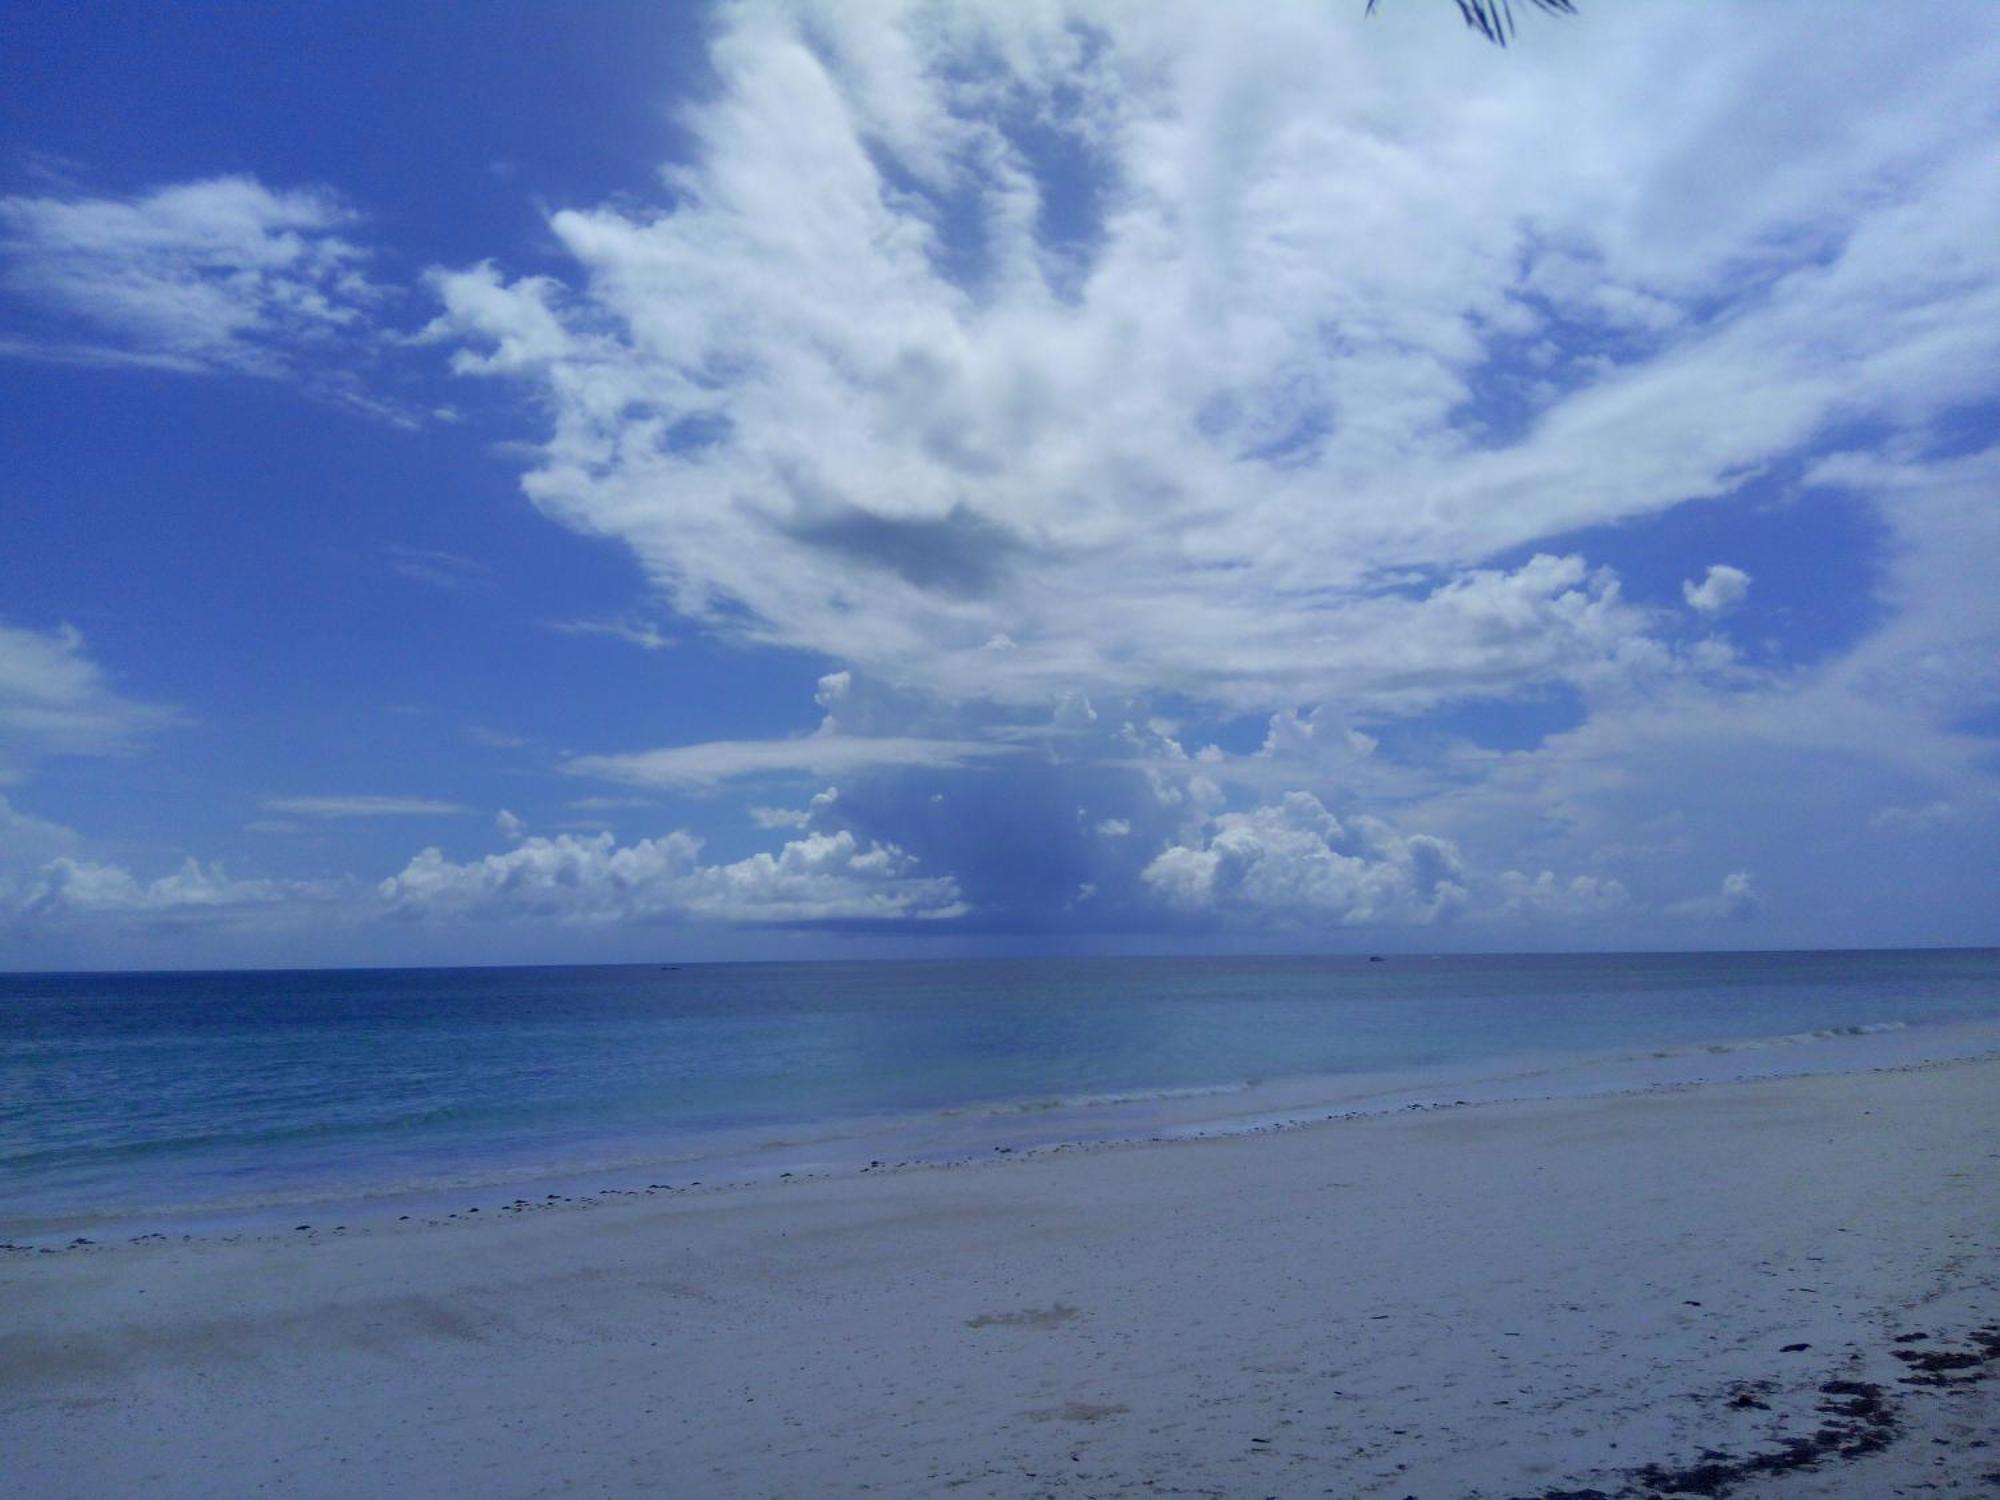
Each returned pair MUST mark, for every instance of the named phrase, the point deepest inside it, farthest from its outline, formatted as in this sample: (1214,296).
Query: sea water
(151,1099)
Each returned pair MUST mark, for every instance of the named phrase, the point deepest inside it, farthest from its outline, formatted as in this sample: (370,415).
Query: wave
(1054,1102)
(1789,1039)
(375,1183)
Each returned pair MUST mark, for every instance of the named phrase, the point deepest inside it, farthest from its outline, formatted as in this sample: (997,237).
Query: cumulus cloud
(1293,862)
(1737,900)
(56,700)
(823,877)
(223,274)
(1545,896)
(1722,589)
(1008,352)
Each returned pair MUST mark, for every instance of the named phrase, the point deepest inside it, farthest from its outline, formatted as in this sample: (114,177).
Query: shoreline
(1524,1298)
(1034,1125)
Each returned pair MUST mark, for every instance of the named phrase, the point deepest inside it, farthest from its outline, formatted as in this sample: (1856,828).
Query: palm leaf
(1494,19)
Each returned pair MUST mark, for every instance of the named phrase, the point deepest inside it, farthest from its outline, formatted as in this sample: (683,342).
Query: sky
(513,482)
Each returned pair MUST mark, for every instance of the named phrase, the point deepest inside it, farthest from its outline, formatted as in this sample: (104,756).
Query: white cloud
(716,761)
(1937,657)
(1544,895)
(1736,900)
(55,700)
(220,274)
(28,842)
(1722,589)
(75,888)
(510,825)
(641,633)
(1293,861)
(442,570)
(364,807)
(496,739)
(1927,818)
(1238,427)
(818,878)
(1079,359)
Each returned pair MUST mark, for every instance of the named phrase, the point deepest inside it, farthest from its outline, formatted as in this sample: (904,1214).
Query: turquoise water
(121,1093)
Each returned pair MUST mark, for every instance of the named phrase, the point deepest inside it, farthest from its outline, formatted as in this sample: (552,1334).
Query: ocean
(157,1102)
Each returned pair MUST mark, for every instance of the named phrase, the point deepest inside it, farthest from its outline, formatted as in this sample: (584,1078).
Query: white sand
(1491,1301)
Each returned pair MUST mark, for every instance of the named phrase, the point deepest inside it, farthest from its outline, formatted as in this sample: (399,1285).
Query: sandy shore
(1765,1289)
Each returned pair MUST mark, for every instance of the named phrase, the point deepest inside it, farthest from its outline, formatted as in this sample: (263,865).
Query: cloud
(1737,900)
(27,842)
(716,761)
(75,888)
(641,633)
(364,807)
(1293,862)
(818,878)
(1927,818)
(1238,362)
(222,274)
(443,570)
(1104,388)
(1936,657)
(1723,589)
(55,700)
(1544,896)
(496,739)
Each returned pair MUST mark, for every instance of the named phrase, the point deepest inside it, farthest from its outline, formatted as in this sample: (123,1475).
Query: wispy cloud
(641,633)
(1240,402)
(496,739)
(441,570)
(364,807)
(71,889)
(56,700)
(716,761)
(222,274)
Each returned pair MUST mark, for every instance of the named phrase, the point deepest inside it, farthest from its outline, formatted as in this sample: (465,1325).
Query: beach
(1777,1287)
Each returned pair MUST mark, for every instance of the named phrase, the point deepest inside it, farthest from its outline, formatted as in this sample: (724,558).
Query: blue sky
(523,482)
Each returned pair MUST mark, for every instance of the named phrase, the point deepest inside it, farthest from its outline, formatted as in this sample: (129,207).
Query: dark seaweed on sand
(1858,1417)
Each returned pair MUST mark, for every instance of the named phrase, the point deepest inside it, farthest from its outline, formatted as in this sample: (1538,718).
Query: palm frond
(1494,19)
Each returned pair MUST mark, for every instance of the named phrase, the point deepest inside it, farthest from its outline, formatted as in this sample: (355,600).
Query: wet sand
(1777,1288)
